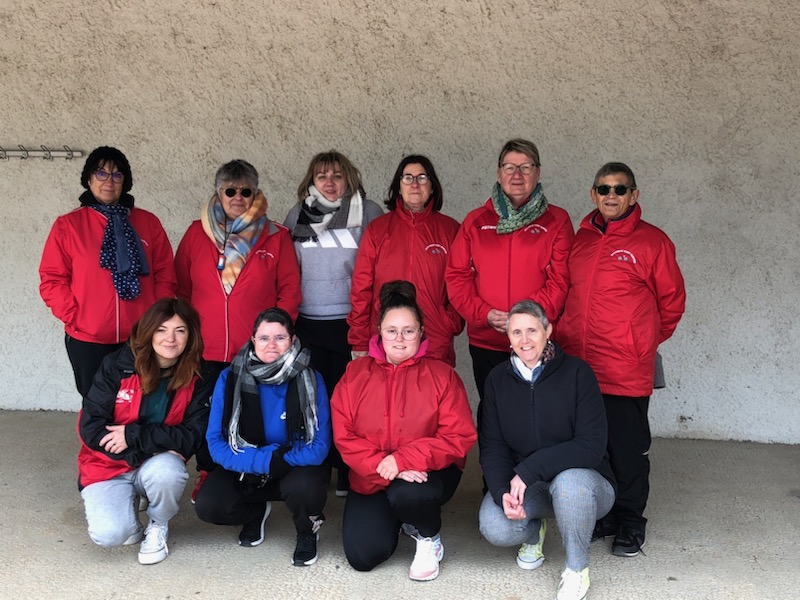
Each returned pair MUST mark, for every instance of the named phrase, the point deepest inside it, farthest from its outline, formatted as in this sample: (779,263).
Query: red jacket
(626,297)
(414,247)
(418,411)
(270,277)
(81,294)
(488,270)
(116,398)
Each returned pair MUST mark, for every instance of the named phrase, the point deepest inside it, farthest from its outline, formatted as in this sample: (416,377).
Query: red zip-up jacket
(270,277)
(418,411)
(626,297)
(81,294)
(488,270)
(411,246)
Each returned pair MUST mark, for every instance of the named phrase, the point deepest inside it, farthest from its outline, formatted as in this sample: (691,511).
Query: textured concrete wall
(699,98)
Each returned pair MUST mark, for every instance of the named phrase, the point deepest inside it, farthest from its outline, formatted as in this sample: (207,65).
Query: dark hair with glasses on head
(237,170)
(436,188)
(612,168)
(102,159)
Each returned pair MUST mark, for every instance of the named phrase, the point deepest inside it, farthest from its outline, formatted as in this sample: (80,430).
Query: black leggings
(371,524)
(225,500)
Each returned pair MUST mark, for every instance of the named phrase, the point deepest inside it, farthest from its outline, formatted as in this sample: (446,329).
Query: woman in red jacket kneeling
(403,425)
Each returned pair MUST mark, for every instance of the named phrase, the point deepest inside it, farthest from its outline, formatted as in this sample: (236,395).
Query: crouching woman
(142,419)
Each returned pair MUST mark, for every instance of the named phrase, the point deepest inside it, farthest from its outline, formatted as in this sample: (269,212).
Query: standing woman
(412,243)
(404,426)
(231,264)
(270,432)
(103,265)
(327,222)
(514,246)
(142,420)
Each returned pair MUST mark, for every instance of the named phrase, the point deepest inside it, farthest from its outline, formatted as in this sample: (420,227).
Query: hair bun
(397,293)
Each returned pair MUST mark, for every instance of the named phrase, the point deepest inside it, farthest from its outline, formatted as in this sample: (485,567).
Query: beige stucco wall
(700,98)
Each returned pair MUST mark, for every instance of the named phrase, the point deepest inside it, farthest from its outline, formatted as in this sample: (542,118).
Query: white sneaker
(426,559)
(154,547)
(135,537)
(531,556)
(573,585)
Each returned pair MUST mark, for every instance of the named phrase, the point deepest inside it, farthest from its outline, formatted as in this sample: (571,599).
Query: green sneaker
(574,585)
(530,556)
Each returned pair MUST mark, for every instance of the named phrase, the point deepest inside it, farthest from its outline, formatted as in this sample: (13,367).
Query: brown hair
(352,176)
(399,294)
(141,342)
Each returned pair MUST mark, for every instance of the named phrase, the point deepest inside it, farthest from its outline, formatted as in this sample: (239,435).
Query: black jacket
(537,431)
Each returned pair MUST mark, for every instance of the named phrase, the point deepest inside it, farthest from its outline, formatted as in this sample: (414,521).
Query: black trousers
(86,358)
(330,354)
(629,452)
(225,500)
(483,361)
(211,370)
(371,524)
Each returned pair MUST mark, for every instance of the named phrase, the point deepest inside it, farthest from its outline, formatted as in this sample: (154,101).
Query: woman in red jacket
(142,420)
(410,242)
(232,264)
(403,425)
(103,265)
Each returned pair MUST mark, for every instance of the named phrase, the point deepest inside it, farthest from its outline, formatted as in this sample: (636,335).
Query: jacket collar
(377,352)
(622,226)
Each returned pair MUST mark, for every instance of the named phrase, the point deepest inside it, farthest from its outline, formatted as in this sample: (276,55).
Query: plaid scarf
(242,412)
(234,239)
(121,250)
(512,219)
(317,214)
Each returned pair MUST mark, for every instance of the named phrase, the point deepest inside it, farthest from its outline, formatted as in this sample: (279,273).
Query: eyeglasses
(421,179)
(391,334)
(619,190)
(266,339)
(116,176)
(231,192)
(524,168)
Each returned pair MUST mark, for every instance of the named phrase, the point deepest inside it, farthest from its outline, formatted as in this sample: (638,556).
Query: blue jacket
(273,406)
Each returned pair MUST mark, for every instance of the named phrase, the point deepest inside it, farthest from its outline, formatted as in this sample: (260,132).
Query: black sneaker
(604,528)
(305,553)
(628,542)
(252,533)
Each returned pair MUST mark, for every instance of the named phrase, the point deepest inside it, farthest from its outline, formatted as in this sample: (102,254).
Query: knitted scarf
(512,219)
(317,214)
(121,250)
(532,375)
(242,413)
(234,239)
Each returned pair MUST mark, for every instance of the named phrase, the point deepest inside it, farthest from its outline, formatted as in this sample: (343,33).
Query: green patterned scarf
(511,218)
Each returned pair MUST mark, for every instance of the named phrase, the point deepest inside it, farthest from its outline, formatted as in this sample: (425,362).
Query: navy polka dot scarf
(121,251)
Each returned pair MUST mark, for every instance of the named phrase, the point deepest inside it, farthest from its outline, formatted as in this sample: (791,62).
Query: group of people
(276,352)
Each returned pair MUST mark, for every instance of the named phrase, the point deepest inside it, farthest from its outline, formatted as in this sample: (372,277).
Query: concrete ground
(724,523)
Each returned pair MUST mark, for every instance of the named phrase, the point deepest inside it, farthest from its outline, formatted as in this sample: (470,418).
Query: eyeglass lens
(245,192)
(408,179)
(525,169)
(116,176)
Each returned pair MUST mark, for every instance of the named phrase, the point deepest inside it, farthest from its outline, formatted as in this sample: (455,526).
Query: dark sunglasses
(245,192)
(619,190)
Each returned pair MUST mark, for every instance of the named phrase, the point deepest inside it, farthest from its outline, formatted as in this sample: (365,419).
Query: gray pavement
(724,523)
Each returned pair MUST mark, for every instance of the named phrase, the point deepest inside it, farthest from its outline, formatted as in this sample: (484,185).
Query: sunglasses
(619,190)
(231,192)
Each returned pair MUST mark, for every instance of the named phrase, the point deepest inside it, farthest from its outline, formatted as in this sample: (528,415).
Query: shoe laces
(155,535)
(316,522)
(573,584)
(631,538)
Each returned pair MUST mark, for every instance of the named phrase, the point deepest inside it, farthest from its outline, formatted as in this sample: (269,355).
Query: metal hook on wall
(3,155)
(47,155)
(24,151)
(69,152)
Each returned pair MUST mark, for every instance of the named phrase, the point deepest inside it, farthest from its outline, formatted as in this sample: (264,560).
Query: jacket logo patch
(488,227)
(262,254)
(624,256)
(283,416)
(535,228)
(435,249)
(124,395)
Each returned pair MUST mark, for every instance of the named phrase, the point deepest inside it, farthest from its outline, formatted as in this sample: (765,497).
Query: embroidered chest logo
(535,228)
(435,249)
(124,395)
(485,227)
(624,256)
(262,254)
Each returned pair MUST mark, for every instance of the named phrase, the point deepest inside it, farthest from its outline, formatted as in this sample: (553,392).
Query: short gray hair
(529,307)
(525,147)
(237,170)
